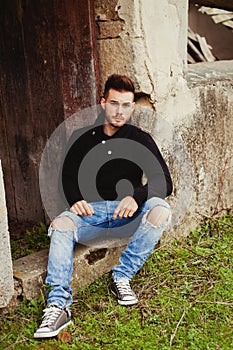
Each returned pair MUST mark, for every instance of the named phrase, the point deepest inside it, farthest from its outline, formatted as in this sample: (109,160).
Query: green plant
(30,241)
(186,302)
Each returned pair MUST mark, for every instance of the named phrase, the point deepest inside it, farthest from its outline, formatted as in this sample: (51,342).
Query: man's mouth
(119,119)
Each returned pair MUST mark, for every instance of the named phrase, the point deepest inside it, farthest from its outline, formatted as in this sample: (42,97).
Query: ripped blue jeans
(91,231)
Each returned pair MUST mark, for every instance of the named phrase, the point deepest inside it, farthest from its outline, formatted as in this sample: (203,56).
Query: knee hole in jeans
(63,223)
(158,215)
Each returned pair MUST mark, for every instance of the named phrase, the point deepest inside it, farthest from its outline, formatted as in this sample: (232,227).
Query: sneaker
(53,321)
(122,291)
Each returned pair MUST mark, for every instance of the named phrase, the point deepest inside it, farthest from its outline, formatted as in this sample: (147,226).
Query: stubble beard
(114,124)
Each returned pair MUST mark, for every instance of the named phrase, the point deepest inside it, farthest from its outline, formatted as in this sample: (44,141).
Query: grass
(25,242)
(186,302)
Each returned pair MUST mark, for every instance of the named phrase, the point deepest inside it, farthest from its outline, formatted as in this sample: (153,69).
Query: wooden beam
(221,4)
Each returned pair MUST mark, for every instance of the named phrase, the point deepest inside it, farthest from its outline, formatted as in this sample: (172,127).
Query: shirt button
(103,141)
(109,152)
(93,132)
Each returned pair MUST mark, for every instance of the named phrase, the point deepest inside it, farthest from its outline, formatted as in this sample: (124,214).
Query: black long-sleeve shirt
(96,164)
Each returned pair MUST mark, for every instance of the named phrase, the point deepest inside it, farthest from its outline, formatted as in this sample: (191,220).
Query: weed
(30,241)
(186,302)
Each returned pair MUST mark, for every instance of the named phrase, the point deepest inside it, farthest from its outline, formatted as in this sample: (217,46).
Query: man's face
(118,107)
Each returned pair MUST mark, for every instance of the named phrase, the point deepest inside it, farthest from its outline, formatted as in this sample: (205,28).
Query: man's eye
(126,105)
(114,103)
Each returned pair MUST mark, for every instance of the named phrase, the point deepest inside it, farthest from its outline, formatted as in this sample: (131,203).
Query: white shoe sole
(51,334)
(125,302)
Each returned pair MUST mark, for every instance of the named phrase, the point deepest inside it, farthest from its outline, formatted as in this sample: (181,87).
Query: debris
(64,337)
(218,15)
(198,49)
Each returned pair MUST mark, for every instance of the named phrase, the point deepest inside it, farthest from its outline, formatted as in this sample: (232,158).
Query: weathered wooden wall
(48,71)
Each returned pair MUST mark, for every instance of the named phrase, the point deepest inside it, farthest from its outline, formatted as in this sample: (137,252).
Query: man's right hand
(82,208)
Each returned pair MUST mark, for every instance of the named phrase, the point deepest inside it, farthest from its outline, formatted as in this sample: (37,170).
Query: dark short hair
(119,83)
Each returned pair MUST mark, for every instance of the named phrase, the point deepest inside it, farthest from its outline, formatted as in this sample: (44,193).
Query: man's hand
(126,208)
(82,208)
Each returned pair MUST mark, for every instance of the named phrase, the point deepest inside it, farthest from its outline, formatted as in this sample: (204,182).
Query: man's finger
(131,212)
(116,213)
(126,213)
(75,209)
(122,213)
(91,210)
(82,208)
(86,208)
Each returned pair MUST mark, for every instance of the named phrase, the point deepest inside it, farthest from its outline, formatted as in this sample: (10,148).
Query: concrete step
(89,264)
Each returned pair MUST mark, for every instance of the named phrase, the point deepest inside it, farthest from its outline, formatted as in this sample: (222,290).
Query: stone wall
(208,134)
(143,39)
(189,108)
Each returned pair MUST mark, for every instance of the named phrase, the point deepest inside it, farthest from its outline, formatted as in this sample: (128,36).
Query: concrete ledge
(6,273)
(30,272)
(209,71)
(89,264)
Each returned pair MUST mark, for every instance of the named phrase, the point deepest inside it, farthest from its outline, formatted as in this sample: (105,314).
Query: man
(121,150)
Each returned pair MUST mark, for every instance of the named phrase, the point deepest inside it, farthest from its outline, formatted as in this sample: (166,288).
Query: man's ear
(102,102)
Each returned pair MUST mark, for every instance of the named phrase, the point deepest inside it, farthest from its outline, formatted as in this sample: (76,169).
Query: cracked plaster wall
(129,41)
(191,122)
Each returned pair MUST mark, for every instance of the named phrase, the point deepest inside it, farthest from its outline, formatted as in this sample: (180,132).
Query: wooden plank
(196,51)
(192,35)
(31,83)
(47,73)
(205,49)
(190,58)
(76,36)
(213,11)
(222,18)
(221,4)
(228,24)
(219,16)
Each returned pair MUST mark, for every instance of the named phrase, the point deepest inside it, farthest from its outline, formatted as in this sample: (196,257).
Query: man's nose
(119,109)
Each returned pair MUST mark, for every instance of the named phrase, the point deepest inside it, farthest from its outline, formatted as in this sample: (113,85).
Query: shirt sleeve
(159,182)
(69,174)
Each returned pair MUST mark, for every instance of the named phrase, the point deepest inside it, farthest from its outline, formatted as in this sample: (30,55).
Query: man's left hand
(126,208)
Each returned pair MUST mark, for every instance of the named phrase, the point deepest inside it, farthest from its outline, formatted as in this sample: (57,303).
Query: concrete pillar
(6,272)
(147,40)
(164,25)
(156,34)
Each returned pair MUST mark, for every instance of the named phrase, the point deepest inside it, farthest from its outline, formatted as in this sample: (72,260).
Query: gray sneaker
(122,291)
(53,321)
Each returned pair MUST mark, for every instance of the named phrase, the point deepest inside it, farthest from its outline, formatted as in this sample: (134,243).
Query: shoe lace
(50,315)
(124,286)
